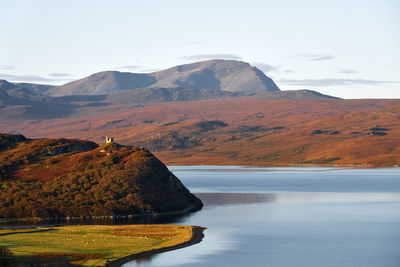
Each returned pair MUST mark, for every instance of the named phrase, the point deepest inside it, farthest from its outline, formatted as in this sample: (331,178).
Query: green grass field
(91,245)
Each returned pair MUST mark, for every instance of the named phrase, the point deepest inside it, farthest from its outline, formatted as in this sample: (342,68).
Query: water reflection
(284,218)
(171,219)
(220,199)
(145,260)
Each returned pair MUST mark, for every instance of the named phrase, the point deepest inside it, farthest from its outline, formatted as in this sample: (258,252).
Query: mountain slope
(71,178)
(241,130)
(35,88)
(222,75)
(295,94)
(17,102)
(107,82)
(159,94)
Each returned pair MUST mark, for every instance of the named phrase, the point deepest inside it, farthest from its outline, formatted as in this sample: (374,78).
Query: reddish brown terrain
(240,130)
(58,178)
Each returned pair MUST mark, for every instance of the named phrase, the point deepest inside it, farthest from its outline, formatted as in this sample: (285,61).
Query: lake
(294,216)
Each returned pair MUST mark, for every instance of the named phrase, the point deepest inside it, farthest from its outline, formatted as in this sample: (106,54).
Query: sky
(349,49)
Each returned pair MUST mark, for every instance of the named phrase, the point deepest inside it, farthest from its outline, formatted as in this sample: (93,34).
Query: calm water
(290,217)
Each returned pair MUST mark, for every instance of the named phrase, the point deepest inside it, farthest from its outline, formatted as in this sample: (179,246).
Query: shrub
(6,257)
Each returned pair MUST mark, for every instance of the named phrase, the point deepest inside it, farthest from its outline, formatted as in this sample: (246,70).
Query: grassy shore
(95,245)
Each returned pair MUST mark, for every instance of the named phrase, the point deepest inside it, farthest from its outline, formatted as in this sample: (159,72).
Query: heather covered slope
(242,130)
(72,178)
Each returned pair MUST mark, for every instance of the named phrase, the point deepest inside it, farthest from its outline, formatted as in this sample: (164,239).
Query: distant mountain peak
(215,74)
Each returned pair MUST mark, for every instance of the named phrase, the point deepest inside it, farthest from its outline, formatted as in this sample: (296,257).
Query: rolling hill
(59,178)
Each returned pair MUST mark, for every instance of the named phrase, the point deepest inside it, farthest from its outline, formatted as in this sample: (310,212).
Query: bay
(292,216)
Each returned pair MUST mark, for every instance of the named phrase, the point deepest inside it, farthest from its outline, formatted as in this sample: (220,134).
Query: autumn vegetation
(241,130)
(62,178)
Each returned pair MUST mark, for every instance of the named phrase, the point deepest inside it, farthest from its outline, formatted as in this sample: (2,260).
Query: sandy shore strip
(197,236)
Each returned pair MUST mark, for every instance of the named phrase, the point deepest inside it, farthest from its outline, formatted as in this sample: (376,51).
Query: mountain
(17,102)
(58,178)
(159,94)
(221,75)
(224,75)
(177,94)
(206,80)
(107,82)
(20,103)
(34,88)
(295,94)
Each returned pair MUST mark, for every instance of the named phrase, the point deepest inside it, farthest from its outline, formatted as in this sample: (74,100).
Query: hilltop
(57,178)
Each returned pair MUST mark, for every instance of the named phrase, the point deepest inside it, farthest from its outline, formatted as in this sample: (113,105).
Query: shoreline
(62,220)
(351,166)
(197,237)
(83,250)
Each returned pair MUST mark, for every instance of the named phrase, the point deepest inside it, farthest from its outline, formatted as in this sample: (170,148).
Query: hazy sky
(349,49)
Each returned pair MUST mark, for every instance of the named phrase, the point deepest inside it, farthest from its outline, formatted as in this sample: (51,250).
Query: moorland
(218,112)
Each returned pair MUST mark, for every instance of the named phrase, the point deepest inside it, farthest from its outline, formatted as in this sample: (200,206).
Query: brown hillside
(50,178)
(241,130)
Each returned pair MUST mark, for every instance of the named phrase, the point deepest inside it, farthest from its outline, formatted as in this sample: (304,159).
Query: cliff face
(71,178)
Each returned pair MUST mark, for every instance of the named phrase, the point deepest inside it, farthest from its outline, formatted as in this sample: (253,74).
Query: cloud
(334,82)
(194,43)
(149,70)
(59,74)
(316,57)
(211,56)
(266,67)
(139,68)
(7,67)
(130,67)
(347,71)
(28,78)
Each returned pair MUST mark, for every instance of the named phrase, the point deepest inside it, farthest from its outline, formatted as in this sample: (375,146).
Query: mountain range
(212,79)
(211,112)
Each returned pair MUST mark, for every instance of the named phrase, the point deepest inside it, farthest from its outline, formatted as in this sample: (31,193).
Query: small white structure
(109,140)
